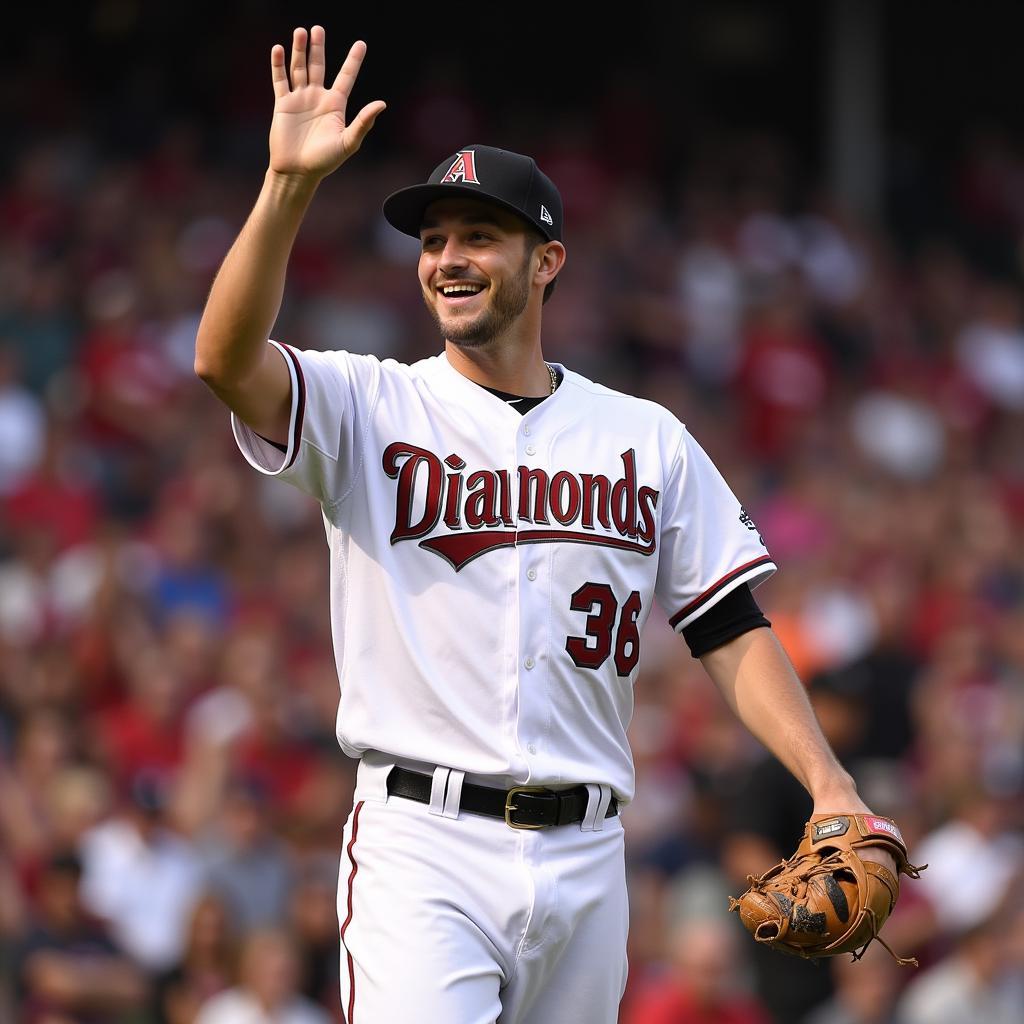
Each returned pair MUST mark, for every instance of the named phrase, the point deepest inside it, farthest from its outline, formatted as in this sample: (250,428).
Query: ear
(548,258)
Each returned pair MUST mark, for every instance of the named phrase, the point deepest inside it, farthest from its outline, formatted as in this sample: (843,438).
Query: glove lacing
(799,880)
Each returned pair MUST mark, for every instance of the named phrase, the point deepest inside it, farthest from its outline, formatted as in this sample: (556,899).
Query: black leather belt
(521,806)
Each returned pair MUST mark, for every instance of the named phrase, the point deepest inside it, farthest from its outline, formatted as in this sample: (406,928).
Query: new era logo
(545,216)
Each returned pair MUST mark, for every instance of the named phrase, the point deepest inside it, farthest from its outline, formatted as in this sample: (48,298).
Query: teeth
(455,289)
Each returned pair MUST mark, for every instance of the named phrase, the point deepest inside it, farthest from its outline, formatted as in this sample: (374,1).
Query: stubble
(505,304)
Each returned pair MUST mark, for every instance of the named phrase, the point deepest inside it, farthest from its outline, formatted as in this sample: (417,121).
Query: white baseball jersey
(491,572)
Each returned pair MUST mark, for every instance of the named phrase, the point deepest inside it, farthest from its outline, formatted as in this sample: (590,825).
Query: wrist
(837,792)
(290,188)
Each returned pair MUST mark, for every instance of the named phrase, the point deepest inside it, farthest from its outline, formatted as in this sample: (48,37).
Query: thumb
(367,117)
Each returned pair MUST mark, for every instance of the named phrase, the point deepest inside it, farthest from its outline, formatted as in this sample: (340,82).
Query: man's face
(468,241)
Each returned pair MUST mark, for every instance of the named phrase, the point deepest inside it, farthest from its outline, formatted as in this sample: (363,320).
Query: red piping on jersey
(300,415)
(351,1015)
(715,587)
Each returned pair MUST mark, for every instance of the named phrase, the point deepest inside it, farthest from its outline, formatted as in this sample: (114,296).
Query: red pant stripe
(348,920)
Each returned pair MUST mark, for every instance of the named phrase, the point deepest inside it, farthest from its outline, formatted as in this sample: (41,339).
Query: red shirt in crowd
(667,1002)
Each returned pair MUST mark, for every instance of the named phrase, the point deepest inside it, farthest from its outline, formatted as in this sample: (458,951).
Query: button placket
(532,681)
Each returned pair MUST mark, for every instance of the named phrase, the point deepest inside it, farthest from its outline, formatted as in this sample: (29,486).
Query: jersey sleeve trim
(753,572)
(262,454)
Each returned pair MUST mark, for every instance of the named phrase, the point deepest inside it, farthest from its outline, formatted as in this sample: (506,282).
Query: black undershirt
(520,403)
(735,614)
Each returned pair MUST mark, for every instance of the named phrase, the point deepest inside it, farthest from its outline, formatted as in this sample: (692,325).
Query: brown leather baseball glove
(826,899)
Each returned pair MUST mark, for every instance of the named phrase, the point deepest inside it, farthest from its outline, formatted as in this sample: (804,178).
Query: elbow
(223,364)
(206,372)
(206,365)
(202,369)
(210,370)
(213,354)
(209,375)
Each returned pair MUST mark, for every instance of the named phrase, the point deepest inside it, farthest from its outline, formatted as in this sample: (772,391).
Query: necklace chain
(554,377)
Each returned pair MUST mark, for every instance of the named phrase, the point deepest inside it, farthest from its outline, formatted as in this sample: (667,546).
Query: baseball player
(499,528)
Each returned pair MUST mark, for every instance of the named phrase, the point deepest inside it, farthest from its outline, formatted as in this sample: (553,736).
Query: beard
(505,304)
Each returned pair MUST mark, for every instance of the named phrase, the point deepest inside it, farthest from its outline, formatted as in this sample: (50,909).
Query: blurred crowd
(171,792)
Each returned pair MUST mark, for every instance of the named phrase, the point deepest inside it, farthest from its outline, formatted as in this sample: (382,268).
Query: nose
(453,255)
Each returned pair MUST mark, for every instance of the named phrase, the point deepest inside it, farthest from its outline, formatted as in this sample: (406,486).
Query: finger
(316,55)
(350,69)
(277,72)
(298,58)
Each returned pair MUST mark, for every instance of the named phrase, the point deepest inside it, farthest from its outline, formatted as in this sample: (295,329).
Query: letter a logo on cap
(463,168)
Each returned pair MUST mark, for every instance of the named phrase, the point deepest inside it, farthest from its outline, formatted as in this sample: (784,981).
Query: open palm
(309,135)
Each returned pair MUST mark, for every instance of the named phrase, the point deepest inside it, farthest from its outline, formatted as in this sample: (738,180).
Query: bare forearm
(246,295)
(761,686)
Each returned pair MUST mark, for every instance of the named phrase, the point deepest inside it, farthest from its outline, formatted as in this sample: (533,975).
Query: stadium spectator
(67,967)
(704,984)
(982,980)
(142,878)
(207,966)
(266,992)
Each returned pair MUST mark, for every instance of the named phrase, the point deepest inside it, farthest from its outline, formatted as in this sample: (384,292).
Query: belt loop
(454,795)
(437,790)
(372,776)
(598,799)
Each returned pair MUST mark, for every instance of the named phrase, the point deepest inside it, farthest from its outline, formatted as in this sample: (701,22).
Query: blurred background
(800,226)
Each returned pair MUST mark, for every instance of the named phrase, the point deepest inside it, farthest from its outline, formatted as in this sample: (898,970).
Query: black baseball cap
(511,180)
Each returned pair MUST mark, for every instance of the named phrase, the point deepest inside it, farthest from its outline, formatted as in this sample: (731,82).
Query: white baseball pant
(457,918)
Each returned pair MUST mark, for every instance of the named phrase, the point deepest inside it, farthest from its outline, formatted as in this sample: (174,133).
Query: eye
(430,241)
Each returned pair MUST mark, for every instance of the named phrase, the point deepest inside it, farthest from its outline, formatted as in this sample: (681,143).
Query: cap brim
(404,209)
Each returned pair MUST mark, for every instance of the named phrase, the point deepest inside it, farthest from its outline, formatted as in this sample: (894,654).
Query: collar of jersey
(509,399)
(483,395)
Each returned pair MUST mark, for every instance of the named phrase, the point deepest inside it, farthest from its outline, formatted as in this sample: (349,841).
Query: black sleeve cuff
(736,613)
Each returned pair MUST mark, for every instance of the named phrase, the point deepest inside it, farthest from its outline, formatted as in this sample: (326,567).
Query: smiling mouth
(460,298)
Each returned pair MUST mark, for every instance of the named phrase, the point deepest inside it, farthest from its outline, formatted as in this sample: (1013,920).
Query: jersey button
(529,662)
(531,449)
(532,749)
(531,574)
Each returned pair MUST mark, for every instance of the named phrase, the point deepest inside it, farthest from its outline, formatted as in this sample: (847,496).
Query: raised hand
(309,136)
